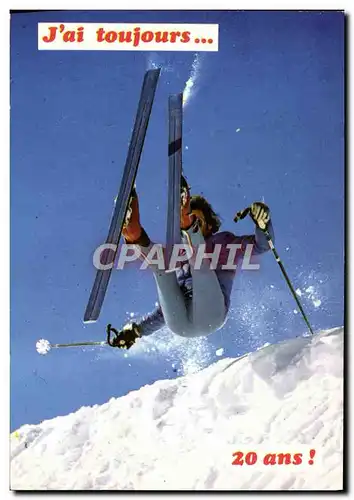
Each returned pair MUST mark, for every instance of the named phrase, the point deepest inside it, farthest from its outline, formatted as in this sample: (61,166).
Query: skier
(192,301)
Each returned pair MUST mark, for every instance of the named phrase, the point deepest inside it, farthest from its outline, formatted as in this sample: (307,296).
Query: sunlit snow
(182,434)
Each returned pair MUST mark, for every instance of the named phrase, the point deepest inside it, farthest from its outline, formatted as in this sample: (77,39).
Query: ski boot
(132,231)
(190,219)
(187,218)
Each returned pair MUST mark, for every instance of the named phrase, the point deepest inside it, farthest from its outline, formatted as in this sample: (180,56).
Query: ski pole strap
(109,331)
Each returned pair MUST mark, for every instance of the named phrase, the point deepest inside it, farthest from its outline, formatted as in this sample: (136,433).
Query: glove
(260,214)
(124,339)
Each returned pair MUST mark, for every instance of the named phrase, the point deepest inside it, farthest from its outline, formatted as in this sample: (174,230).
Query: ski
(100,285)
(175,115)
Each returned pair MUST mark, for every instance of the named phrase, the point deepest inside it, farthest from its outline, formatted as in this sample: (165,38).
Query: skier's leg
(202,315)
(207,312)
(171,298)
(173,303)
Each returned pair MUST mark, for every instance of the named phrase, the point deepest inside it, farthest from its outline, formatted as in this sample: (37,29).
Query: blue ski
(100,285)
(173,233)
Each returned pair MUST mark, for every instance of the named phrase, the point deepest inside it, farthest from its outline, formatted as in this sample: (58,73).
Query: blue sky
(279,78)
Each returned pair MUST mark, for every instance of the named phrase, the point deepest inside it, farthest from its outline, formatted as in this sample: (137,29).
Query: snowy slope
(181,434)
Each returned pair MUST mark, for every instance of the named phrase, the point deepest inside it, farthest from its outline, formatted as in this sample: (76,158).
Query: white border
(4,177)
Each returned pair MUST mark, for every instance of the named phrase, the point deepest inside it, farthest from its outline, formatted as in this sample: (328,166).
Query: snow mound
(184,434)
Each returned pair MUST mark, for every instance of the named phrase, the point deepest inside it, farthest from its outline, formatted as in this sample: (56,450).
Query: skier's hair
(198,202)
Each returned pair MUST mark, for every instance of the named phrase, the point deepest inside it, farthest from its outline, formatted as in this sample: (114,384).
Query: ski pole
(241,215)
(44,346)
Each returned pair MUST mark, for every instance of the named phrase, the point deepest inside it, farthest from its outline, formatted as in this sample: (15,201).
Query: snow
(181,434)
(191,355)
(312,295)
(189,88)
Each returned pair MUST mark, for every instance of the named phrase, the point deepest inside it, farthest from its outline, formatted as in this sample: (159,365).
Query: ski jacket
(154,320)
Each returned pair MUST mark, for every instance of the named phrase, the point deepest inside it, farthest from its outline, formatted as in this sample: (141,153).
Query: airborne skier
(192,301)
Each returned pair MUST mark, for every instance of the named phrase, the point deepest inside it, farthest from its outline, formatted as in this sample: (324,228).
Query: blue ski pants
(202,313)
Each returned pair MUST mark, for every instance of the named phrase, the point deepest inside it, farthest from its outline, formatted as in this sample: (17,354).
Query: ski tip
(154,70)
(175,99)
(153,73)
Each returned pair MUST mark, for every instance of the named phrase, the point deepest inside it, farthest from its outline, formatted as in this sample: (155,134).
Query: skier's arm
(259,239)
(260,214)
(132,331)
(261,242)
(151,322)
